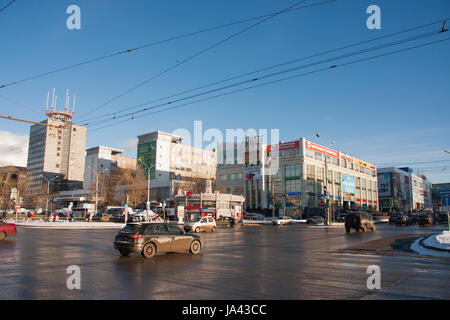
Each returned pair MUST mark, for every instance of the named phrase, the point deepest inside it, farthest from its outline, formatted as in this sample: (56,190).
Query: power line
(151,44)
(271,75)
(286,78)
(192,57)
(410,163)
(109,115)
(6,6)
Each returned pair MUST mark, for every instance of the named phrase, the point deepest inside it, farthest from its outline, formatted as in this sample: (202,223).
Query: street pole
(48,189)
(96,189)
(148,184)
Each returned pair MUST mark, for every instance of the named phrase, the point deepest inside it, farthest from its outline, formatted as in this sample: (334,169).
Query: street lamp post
(148,183)
(96,189)
(48,189)
(448,213)
(326,183)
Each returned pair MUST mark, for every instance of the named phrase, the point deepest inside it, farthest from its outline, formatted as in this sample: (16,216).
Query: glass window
(174,229)
(293,170)
(160,228)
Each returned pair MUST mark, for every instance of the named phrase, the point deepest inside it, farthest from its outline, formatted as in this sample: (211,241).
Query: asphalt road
(257,262)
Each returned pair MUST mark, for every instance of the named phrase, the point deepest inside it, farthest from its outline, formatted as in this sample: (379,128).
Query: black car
(415,218)
(393,219)
(225,221)
(403,220)
(425,219)
(442,218)
(148,238)
(341,217)
(359,221)
(315,220)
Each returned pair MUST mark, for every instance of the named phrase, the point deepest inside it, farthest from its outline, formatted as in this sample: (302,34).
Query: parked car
(283,221)
(425,219)
(201,224)
(225,221)
(149,238)
(7,230)
(403,220)
(443,218)
(104,217)
(359,221)
(315,220)
(121,218)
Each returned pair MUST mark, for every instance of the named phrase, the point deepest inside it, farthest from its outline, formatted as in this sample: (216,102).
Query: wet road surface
(255,262)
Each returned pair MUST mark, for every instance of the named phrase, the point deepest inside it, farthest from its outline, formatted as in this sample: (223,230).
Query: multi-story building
(101,158)
(292,176)
(398,188)
(56,149)
(174,166)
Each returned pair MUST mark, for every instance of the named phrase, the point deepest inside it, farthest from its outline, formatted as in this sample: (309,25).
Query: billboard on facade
(252,173)
(384,185)
(348,184)
(315,147)
(284,146)
(146,152)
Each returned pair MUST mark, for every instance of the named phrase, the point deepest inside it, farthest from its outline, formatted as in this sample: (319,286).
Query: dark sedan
(315,220)
(425,219)
(225,221)
(149,238)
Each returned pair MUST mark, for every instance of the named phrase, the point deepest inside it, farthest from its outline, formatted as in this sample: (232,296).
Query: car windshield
(196,219)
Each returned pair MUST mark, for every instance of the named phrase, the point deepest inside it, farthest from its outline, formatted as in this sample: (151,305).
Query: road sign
(17,206)
(446,201)
(164,204)
(148,205)
(126,206)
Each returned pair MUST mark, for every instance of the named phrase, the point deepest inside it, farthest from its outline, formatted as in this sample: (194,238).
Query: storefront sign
(315,147)
(364,164)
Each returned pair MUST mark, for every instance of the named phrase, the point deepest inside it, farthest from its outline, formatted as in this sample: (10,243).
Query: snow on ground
(441,241)
(427,252)
(68,225)
(332,225)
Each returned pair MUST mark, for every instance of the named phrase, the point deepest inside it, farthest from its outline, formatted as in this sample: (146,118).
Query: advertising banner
(315,147)
(252,173)
(384,184)
(284,146)
(348,184)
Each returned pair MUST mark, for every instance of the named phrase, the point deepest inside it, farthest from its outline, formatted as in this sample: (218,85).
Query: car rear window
(131,228)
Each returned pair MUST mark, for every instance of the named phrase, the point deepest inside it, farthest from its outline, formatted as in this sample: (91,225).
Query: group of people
(54,217)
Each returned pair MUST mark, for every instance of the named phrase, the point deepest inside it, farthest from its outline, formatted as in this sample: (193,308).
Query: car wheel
(347,230)
(2,235)
(197,230)
(374,228)
(149,250)
(195,247)
(124,252)
(364,228)
(213,229)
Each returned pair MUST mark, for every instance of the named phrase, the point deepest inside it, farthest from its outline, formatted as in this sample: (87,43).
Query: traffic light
(325,192)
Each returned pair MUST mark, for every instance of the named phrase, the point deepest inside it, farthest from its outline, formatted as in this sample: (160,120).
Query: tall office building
(56,151)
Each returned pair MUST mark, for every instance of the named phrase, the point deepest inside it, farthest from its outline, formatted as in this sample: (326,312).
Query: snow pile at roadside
(428,252)
(440,241)
(444,238)
(69,225)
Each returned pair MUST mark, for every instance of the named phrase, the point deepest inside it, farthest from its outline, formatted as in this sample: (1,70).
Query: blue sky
(392,110)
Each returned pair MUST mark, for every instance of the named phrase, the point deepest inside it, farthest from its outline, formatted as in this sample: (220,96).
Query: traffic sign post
(17,207)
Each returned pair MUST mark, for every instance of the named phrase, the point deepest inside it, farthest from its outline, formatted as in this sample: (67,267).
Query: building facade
(293,177)
(101,158)
(56,150)
(399,188)
(174,166)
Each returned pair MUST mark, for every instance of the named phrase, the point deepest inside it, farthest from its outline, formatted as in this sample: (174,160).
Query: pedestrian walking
(54,216)
(72,215)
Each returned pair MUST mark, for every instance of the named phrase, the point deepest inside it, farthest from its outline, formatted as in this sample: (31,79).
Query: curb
(430,247)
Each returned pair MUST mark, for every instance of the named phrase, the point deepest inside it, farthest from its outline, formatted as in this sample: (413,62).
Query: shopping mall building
(294,176)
